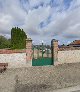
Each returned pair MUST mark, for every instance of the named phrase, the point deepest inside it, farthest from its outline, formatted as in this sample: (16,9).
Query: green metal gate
(42,55)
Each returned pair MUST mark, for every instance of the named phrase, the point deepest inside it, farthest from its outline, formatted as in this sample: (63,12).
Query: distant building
(75,43)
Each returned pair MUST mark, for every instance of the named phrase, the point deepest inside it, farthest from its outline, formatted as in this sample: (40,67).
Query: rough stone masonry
(17,58)
(65,55)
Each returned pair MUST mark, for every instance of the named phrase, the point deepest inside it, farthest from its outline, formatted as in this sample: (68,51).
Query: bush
(4,42)
(18,38)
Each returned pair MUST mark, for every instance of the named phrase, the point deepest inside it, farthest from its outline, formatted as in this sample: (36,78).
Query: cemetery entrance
(42,55)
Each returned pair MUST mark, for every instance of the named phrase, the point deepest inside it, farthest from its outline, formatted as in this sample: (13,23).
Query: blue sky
(42,19)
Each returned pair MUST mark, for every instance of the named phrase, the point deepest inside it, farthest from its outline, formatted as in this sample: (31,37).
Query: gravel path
(40,79)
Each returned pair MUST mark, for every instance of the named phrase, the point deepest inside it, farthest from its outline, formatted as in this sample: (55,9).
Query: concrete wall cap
(28,39)
(54,40)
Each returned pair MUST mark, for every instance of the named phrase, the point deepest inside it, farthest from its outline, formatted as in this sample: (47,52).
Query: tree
(18,38)
(4,42)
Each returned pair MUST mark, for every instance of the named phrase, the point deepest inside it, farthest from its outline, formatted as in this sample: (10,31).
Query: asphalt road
(69,89)
(76,91)
(38,89)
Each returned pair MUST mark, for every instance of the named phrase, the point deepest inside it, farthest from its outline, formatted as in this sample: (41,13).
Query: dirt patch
(40,79)
(32,88)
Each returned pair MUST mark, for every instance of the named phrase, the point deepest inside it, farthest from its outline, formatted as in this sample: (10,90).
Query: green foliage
(18,38)
(4,42)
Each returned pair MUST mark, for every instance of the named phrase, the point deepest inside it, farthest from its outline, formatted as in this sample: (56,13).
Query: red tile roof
(76,42)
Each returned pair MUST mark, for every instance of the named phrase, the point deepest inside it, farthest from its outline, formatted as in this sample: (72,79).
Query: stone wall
(29,51)
(7,51)
(54,50)
(17,58)
(70,56)
(67,54)
(66,48)
(14,60)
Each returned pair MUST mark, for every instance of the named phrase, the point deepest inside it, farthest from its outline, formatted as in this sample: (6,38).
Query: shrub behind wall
(4,42)
(18,38)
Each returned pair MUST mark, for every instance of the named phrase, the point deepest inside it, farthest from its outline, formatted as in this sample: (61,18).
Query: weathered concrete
(40,79)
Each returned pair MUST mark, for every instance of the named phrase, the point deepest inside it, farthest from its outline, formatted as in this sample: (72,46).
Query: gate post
(54,49)
(29,51)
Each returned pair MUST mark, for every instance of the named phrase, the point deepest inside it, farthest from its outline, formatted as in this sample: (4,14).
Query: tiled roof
(76,42)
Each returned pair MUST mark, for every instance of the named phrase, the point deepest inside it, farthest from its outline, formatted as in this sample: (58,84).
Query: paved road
(77,91)
(69,89)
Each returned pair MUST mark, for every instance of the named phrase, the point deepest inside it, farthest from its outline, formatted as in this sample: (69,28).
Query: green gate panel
(42,62)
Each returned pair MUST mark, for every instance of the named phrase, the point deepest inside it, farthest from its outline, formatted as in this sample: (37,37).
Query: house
(75,43)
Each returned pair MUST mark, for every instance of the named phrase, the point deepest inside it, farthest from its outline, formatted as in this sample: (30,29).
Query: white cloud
(64,24)
(11,15)
(33,19)
(5,23)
